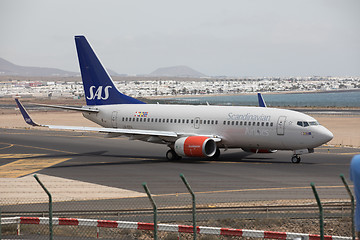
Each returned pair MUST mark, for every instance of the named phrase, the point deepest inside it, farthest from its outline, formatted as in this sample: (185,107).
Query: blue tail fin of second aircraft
(98,86)
(261,100)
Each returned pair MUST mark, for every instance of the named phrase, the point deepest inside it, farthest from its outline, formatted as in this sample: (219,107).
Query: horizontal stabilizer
(83,109)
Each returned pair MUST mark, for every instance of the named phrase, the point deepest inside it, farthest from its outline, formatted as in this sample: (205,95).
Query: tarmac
(80,167)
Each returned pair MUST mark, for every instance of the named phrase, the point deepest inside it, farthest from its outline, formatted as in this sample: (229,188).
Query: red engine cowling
(255,150)
(195,146)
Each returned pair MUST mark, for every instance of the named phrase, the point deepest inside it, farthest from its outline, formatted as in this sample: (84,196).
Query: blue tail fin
(261,100)
(98,85)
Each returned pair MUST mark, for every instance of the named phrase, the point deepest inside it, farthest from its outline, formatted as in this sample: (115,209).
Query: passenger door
(280,129)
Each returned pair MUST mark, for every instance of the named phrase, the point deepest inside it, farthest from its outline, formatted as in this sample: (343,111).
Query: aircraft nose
(326,135)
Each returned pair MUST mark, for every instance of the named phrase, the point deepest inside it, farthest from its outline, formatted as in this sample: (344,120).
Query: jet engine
(256,150)
(195,146)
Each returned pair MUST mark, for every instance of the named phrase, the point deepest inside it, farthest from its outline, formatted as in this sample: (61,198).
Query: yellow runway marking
(19,155)
(353,153)
(48,149)
(10,145)
(24,167)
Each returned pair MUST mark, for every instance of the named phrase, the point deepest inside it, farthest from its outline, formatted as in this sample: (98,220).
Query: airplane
(188,130)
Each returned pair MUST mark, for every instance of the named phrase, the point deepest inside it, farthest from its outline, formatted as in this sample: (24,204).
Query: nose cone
(325,135)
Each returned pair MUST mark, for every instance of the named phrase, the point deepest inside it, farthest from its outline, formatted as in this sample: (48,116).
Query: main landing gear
(295,158)
(172,156)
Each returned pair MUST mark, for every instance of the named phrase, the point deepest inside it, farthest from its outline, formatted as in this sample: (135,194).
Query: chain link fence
(218,214)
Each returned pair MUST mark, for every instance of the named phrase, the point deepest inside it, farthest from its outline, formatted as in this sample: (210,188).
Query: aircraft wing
(29,121)
(112,132)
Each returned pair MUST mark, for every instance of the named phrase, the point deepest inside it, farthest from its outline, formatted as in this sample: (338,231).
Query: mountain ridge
(177,71)
(9,68)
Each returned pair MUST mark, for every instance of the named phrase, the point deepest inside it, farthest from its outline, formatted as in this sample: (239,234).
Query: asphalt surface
(235,177)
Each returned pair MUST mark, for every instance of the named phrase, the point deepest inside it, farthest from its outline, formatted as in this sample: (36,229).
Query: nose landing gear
(295,158)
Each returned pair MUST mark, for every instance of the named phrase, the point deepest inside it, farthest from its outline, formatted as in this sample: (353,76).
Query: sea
(307,99)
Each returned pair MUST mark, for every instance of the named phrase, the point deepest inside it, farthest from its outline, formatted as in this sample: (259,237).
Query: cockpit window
(306,124)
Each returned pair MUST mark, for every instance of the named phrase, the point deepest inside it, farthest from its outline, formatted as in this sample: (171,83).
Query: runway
(122,164)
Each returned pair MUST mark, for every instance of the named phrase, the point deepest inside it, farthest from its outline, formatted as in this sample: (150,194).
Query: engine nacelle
(256,150)
(195,146)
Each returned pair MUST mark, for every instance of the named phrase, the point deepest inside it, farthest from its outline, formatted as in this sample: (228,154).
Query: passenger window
(237,123)
(187,120)
(232,123)
(244,123)
(152,120)
(212,121)
(267,124)
(174,120)
(224,122)
(271,124)
(200,121)
(216,122)
(228,123)
(192,121)
(126,119)
(240,123)
(258,123)
(262,124)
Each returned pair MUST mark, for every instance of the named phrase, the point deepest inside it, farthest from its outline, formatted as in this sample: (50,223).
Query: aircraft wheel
(217,154)
(172,156)
(295,159)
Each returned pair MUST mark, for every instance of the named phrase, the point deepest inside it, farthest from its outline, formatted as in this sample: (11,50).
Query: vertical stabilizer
(98,86)
(261,100)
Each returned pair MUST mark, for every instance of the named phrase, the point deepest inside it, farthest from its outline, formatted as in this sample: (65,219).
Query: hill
(177,71)
(8,68)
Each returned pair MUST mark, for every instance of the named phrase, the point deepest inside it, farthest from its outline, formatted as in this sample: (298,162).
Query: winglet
(261,100)
(25,114)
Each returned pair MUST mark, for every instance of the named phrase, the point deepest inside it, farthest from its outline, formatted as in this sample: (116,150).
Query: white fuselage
(238,127)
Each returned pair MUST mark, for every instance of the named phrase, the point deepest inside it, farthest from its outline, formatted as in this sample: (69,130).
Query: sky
(277,38)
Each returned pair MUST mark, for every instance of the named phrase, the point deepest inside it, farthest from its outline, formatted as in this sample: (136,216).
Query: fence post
(352,205)
(50,206)
(154,208)
(193,203)
(321,214)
